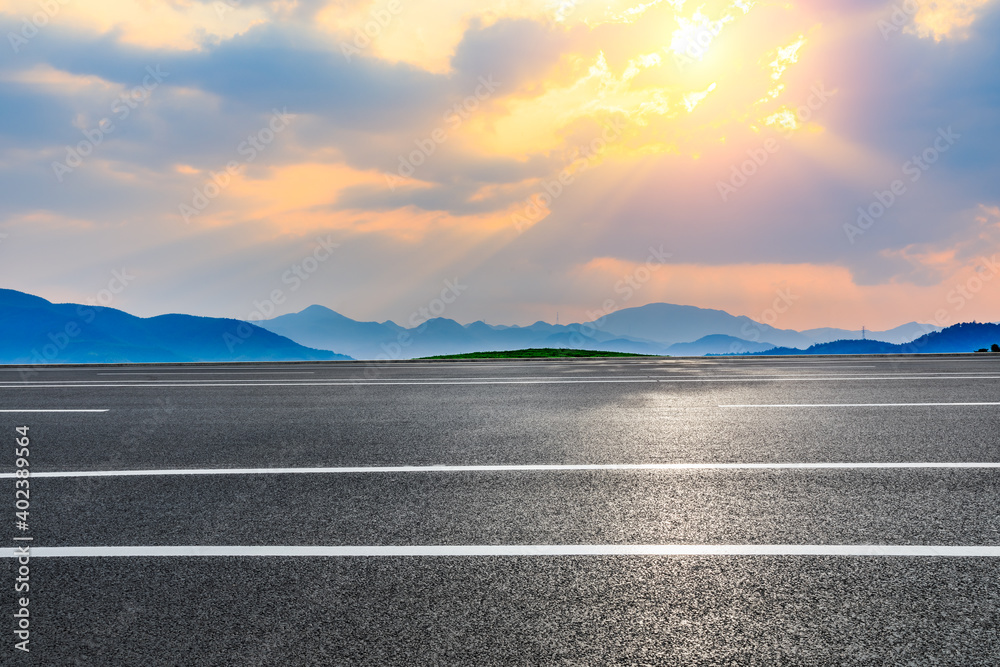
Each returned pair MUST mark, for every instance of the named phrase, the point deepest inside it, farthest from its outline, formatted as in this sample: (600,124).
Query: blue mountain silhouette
(656,328)
(36,331)
(963,337)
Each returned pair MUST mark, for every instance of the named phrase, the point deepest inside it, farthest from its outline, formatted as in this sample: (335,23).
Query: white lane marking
(649,375)
(857,405)
(518,550)
(868,360)
(354,470)
(361,365)
(431,383)
(304,383)
(213,373)
(810,364)
(105,410)
(385,380)
(443,379)
(555,379)
(343,366)
(654,362)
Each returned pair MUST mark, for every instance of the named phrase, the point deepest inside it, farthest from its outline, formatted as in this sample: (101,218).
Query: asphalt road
(766,511)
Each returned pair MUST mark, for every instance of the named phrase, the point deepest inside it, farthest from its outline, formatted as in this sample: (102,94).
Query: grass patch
(537,353)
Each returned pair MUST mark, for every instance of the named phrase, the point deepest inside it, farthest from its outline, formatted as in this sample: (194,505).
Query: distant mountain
(965,337)
(657,328)
(901,334)
(33,330)
(318,326)
(717,344)
(958,338)
(854,346)
(36,331)
(667,323)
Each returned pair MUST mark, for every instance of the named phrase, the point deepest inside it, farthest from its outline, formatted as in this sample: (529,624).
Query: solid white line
(935,375)
(355,470)
(433,383)
(307,383)
(750,361)
(384,380)
(538,379)
(519,550)
(215,373)
(54,410)
(338,367)
(857,405)
(657,362)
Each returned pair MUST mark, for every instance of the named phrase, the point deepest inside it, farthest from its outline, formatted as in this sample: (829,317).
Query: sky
(805,164)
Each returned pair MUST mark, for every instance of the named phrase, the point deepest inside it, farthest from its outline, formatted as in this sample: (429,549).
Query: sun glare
(683,76)
(695,35)
(786,56)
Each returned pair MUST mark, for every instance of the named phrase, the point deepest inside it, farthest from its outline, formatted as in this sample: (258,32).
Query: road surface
(648,511)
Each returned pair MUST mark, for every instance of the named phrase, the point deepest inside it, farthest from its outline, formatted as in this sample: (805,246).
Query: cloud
(519,53)
(591,122)
(944,19)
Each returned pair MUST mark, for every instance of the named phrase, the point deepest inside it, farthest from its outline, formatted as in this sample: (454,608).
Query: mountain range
(963,337)
(36,331)
(656,328)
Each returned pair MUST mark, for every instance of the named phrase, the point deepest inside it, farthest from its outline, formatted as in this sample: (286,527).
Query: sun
(691,41)
(682,78)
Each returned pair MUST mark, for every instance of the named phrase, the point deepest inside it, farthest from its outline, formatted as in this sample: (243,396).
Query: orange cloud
(945,19)
(794,296)
(422,33)
(169,24)
(302,199)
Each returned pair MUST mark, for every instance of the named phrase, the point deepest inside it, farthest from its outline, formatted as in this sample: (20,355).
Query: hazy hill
(318,326)
(717,344)
(669,323)
(853,346)
(901,334)
(958,338)
(35,331)
(964,337)
(657,328)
